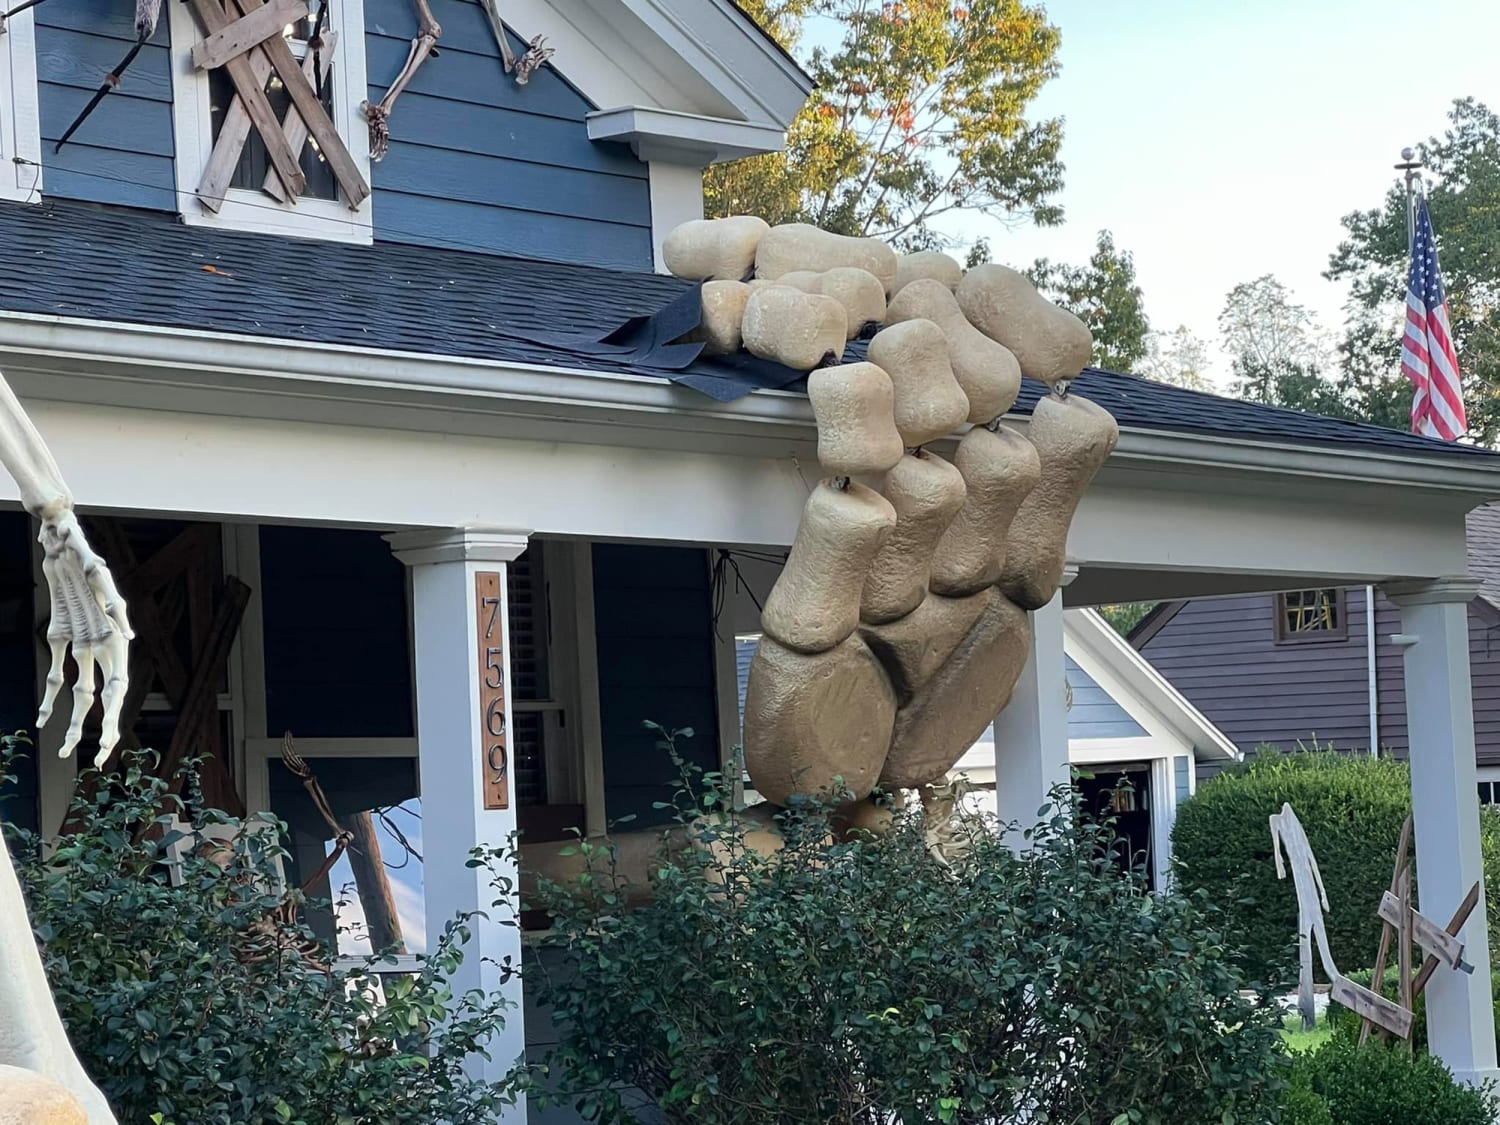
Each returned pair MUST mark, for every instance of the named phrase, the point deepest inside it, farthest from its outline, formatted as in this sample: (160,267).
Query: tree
(1463,191)
(1179,358)
(919,111)
(1264,331)
(1104,294)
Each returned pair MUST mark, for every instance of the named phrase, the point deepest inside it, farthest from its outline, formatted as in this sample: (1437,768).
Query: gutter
(480,392)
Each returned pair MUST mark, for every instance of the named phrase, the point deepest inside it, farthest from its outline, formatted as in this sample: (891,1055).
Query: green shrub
(868,981)
(1352,808)
(182,1003)
(1341,1083)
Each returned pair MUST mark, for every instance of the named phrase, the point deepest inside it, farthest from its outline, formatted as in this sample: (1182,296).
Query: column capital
(1432,591)
(458,545)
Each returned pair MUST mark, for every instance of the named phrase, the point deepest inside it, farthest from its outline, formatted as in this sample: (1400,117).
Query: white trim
(1101,751)
(1163,817)
(676,198)
(683,138)
(20,113)
(328,220)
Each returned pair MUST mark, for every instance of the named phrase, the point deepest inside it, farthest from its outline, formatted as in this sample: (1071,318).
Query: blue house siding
(123,153)
(477,162)
(349,681)
(653,620)
(1094,713)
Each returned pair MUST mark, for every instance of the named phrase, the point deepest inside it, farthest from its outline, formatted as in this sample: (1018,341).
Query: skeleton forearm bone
(429,31)
(88,612)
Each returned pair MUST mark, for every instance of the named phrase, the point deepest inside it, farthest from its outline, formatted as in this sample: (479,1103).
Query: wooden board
(489,616)
(249,31)
(1367,1005)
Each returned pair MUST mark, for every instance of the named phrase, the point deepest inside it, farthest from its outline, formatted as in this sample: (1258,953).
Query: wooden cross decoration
(245,38)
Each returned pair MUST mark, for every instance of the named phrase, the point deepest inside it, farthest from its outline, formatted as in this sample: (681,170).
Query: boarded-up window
(1310,615)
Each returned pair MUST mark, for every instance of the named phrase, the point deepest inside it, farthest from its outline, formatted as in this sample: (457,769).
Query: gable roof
(75,260)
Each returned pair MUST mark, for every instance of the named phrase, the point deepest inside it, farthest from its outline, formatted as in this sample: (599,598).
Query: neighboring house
(322,446)
(1303,667)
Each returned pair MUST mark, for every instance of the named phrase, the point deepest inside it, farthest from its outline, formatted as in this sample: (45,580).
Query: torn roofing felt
(67,259)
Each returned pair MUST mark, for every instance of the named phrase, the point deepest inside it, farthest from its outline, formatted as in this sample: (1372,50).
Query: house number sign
(494,749)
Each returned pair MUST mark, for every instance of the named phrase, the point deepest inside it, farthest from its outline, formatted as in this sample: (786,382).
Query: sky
(1224,139)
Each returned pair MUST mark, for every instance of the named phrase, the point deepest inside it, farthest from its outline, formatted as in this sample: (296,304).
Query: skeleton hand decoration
(88,613)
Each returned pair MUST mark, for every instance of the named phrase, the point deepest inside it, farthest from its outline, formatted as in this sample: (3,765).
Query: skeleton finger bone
(929,402)
(859,291)
(1073,438)
(932,264)
(799,246)
(815,603)
(1000,468)
(985,369)
(83,698)
(714,249)
(853,405)
(926,493)
(796,329)
(722,317)
(1051,344)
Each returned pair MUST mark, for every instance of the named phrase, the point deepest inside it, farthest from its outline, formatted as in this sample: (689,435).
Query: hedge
(1352,808)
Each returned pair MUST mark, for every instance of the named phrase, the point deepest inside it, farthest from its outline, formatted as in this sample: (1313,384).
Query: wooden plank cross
(245,38)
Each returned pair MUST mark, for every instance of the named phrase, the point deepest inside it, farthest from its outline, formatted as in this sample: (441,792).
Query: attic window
(1309,616)
(240,187)
(20,122)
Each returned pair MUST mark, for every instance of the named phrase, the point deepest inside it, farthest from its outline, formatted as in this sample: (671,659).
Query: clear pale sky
(1223,139)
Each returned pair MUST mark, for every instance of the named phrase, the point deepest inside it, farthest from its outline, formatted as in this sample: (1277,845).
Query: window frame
(20,113)
(1311,636)
(329,220)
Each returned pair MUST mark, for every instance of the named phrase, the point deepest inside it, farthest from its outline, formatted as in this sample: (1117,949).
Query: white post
(1445,809)
(1031,734)
(461,641)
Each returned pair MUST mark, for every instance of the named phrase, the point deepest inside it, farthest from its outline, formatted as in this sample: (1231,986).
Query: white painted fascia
(1140,689)
(253,376)
(684,138)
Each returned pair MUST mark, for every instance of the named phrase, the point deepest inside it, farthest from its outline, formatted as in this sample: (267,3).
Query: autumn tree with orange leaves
(920,111)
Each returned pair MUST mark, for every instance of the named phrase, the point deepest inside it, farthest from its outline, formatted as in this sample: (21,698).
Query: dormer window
(227,172)
(20,121)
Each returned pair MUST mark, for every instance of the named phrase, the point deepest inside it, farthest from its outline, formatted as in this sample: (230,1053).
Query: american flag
(1427,356)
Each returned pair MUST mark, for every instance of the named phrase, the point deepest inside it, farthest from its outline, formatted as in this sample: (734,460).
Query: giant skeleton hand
(88,613)
(898,628)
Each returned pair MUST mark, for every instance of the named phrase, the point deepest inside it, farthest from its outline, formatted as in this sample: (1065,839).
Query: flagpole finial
(1408,153)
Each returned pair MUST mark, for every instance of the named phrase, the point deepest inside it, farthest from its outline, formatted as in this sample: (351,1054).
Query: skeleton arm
(88,613)
(429,31)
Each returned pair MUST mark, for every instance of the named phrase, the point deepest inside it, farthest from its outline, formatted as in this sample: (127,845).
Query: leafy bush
(1342,1083)
(1352,808)
(869,981)
(184,1001)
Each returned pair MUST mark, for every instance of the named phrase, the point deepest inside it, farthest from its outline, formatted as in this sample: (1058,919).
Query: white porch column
(1031,734)
(1445,808)
(461,641)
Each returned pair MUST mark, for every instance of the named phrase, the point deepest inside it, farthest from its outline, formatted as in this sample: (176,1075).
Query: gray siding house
(1297,667)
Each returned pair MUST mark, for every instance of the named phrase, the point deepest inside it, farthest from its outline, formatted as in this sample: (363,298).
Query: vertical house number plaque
(494,753)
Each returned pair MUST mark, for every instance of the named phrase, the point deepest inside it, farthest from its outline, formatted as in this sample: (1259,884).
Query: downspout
(1370,661)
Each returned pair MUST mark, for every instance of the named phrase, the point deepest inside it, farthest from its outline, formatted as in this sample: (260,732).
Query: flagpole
(1412,167)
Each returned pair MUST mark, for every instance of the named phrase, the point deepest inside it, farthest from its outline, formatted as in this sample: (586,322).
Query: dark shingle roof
(78,260)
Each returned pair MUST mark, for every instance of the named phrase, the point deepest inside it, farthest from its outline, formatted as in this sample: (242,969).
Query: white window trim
(20,116)
(326,219)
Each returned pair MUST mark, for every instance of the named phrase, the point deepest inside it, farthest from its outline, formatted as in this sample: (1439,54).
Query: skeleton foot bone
(899,628)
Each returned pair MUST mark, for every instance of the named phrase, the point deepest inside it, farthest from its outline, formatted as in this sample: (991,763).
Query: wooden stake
(1377,982)
(1460,916)
(1403,936)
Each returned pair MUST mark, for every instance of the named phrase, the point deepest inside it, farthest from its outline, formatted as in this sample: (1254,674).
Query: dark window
(1310,615)
(532,709)
(1489,792)
(254,163)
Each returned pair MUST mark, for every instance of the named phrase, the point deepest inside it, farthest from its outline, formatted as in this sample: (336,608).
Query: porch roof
(80,262)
